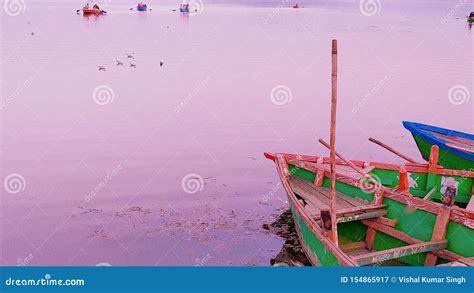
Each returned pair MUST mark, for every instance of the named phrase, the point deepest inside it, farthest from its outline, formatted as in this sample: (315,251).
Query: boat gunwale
(410,167)
(421,130)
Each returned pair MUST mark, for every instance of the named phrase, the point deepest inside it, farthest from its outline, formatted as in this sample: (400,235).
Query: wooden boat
(93,11)
(378,223)
(456,148)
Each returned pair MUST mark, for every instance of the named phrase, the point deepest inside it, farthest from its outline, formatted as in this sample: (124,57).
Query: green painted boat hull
(446,159)
(418,224)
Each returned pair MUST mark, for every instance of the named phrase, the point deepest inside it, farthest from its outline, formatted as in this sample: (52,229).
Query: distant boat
(184,10)
(91,11)
(456,149)
(142,7)
(470,18)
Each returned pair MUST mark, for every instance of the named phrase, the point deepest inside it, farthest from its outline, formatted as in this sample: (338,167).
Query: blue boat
(183,10)
(142,7)
(456,149)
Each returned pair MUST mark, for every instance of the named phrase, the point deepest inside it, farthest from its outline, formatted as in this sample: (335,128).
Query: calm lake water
(143,164)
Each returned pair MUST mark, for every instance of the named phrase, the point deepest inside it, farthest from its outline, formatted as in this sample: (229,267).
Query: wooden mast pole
(333,142)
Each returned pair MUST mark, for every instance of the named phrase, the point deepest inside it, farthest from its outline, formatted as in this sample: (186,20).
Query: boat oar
(405,157)
(350,164)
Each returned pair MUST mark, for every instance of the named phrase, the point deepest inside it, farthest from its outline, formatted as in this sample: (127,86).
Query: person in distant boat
(86,6)
(96,7)
(296,6)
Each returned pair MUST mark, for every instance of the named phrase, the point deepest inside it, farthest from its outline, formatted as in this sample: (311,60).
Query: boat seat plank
(309,191)
(352,246)
(340,169)
(348,209)
(384,255)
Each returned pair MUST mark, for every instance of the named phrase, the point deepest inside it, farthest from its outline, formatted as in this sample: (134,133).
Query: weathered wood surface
(384,255)
(446,254)
(353,246)
(439,232)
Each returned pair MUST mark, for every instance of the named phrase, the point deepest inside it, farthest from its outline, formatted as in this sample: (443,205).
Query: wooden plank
(446,254)
(351,200)
(358,217)
(360,209)
(439,232)
(319,195)
(384,255)
(386,221)
(353,246)
(370,238)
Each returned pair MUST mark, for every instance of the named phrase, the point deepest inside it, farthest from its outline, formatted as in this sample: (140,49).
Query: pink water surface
(101,176)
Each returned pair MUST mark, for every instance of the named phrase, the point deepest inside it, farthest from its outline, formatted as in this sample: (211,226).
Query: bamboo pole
(333,142)
(389,148)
